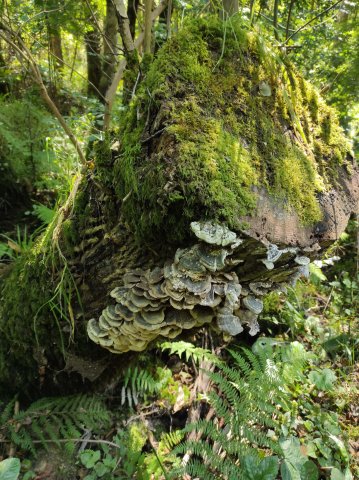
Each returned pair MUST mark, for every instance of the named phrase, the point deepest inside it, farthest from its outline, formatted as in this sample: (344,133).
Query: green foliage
(138,383)
(51,420)
(44,213)
(10,469)
(126,461)
(323,379)
(19,245)
(190,351)
(23,146)
(246,398)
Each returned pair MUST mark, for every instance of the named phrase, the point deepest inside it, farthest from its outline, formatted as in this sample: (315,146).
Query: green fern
(172,439)
(51,420)
(190,351)
(138,383)
(245,397)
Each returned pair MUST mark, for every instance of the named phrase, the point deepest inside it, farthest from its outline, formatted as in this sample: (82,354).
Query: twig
(311,20)
(12,449)
(76,440)
(153,135)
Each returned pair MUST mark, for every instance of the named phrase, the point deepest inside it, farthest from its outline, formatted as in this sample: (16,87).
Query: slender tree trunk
(109,47)
(230,7)
(275,19)
(132,9)
(55,45)
(93,54)
(148,27)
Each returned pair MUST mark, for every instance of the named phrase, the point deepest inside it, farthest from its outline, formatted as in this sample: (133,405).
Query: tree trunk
(109,47)
(230,7)
(55,46)
(93,55)
(132,9)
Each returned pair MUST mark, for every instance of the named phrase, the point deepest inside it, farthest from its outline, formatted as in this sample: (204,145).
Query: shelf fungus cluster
(212,282)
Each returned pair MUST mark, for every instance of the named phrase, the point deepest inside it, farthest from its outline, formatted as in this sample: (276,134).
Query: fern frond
(245,397)
(190,351)
(50,419)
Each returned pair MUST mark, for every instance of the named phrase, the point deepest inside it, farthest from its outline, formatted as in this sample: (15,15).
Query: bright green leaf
(10,469)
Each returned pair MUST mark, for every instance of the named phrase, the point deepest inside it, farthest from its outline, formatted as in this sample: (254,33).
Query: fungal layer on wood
(220,280)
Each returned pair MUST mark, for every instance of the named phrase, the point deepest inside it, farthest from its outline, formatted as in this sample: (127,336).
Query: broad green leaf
(341,447)
(289,471)
(90,457)
(309,471)
(10,469)
(292,453)
(336,475)
(267,469)
(101,469)
(323,379)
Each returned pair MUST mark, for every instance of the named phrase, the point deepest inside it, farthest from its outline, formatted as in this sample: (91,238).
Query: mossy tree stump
(228,174)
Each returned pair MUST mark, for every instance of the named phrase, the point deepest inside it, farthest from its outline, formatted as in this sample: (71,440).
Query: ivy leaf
(267,469)
(309,471)
(323,379)
(90,457)
(9,469)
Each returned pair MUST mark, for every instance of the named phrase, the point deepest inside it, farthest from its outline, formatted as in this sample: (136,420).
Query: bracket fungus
(191,291)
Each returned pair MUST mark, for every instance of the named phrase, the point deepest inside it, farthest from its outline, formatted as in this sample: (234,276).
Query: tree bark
(55,46)
(110,45)
(230,7)
(132,9)
(93,55)
(148,27)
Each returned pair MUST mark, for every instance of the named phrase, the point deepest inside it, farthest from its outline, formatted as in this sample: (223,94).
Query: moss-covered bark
(218,113)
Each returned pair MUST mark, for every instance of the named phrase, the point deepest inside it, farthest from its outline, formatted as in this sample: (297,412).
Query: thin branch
(312,20)
(124,26)
(111,92)
(26,55)
(65,440)
(275,19)
(71,67)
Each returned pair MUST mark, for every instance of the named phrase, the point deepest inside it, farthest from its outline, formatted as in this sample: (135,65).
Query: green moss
(220,135)
(28,331)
